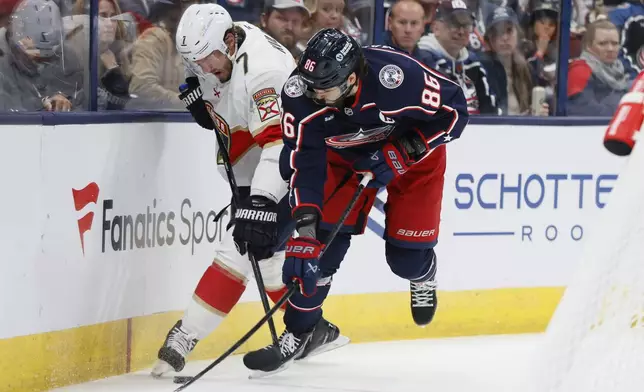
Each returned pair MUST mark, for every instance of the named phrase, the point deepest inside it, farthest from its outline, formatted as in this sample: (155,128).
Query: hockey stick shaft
(234,189)
(292,287)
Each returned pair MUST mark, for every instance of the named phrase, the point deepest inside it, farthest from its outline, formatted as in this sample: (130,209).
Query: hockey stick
(234,189)
(291,290)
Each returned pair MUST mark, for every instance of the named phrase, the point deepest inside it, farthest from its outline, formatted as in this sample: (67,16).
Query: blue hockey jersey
(397,94)
(629,20)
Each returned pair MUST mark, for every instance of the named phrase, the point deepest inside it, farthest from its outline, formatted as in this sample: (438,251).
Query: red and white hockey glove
(302,264)
(393,159)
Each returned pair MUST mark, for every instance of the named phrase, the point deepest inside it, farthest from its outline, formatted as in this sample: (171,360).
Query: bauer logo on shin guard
(256,216)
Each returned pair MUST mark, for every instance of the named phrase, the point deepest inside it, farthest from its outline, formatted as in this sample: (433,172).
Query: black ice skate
(326,337)
(172,355)
(274,359)
(423,297)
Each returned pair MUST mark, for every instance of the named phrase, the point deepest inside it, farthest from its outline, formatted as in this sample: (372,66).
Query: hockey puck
(181,379)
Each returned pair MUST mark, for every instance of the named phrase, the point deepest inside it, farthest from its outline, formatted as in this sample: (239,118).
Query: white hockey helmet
(201,31)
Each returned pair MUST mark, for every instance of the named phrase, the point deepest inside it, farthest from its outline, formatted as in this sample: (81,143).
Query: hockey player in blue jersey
(350,110)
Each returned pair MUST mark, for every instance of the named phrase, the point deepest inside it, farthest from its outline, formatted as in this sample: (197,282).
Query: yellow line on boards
(48,360)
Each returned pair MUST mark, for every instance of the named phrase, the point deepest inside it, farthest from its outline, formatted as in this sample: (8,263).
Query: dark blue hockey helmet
(328,60)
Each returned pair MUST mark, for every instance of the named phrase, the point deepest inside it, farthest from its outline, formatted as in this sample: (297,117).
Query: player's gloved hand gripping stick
(192,97)
(292,287)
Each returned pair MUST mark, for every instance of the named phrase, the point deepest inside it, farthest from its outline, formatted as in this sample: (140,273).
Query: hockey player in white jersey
(234,77)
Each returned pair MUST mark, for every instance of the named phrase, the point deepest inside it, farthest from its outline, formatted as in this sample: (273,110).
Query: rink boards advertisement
(107,229)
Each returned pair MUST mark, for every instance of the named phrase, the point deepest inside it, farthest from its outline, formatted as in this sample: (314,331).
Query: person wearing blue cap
(508,72)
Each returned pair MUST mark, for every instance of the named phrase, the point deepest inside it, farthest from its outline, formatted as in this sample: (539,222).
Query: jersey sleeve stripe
(268,135)
(435,140)
(298,147)
(426,68)
(398,111)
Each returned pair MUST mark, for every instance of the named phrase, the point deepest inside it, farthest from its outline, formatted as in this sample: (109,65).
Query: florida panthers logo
(221,126)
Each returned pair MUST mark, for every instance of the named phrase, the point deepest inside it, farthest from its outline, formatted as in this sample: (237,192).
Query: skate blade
(160,368)
(255,374)
(339,342)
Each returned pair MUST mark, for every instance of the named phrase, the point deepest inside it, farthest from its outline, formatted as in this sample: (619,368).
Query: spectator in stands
(480,9)
(36,71)
(360,12)
(449,55)
(597,80)
(406,23)
(541,47)
(332,14)
(284,21)
(157,69)
(351,24)
(113,48)
(508,72)
(629,20)
(328,14)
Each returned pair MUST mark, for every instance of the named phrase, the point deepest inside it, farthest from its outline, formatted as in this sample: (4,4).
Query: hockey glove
(393,159)
(192,97)
(302,264)
(256,227)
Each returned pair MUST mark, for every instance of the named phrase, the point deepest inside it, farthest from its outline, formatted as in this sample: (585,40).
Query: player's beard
(226,73)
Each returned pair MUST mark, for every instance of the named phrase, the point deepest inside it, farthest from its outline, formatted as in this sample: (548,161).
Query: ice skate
(423,297)
(172,355)
(326,337)
(274,359)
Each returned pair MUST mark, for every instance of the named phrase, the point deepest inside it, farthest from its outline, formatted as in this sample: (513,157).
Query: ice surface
(481,364)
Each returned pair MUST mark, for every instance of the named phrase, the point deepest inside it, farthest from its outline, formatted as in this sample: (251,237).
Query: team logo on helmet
(391,76)
(294,86)
(347,47)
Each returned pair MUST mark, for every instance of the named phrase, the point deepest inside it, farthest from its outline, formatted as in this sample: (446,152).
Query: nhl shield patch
(267,103)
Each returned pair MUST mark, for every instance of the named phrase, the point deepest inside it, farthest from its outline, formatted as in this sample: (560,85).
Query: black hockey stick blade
(292,288)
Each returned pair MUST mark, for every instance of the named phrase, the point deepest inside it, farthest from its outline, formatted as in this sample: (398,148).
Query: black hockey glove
(256,227)
(192,97)
(393,159)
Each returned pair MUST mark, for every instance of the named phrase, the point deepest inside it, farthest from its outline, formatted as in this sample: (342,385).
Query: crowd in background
(503,53)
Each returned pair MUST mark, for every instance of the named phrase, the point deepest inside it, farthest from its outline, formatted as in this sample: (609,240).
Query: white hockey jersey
(247,111)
